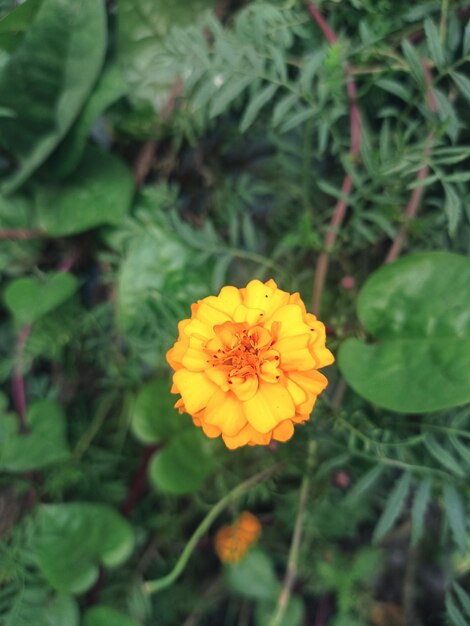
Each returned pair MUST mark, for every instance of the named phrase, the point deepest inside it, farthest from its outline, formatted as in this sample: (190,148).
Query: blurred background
(152,152)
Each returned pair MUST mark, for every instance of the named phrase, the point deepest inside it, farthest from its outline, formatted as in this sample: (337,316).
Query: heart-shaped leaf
(71,540)
(44,445)
(418,311)
(30,298)
(183,464)
(254,577)
(154,417)
(106,616)
(46,91)
(98,192)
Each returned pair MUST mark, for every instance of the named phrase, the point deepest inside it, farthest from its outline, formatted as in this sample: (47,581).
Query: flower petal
(270,405)
(284,431)
(195,389)
(225,411)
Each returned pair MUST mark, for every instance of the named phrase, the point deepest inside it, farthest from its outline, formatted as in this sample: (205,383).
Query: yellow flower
(231,543)
(246,364)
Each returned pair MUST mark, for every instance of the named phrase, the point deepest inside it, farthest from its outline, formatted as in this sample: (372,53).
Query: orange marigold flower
(246,364)
(231,543)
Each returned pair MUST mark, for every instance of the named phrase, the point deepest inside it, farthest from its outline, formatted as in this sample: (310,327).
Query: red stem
(21,233)
(339,211)
(138,483)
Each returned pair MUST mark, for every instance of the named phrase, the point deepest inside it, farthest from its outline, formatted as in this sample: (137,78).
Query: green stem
(294,551)
(154,586)
(100,416)
(443,22)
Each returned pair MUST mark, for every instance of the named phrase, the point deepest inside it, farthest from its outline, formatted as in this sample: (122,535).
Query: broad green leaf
(418,310)
(47,90)
(253,577)
(106,616)
(39,607)
(183,464)
(455,514)
(110,88)
(71,540)
(28,299)
(98,192)
(294,614)
(154,417)
(16,24)
(418,512)
(394,506)
(44,445)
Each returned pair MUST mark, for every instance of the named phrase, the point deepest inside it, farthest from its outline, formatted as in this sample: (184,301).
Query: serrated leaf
(71,540)
(393,507)
(434,43)
(255,106)
(282,108)
(442,455)
(419,508)
(463,84)
(463,597)
(453,612)
(364,484)
(227,93)
(71,38)
(297,118)
(414,62)
(455,514)
(416,308)
(29,299)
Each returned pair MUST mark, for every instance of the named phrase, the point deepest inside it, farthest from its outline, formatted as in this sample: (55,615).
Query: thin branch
(137,486)
(294,551)
(155,586)
(355,124)
(21,233)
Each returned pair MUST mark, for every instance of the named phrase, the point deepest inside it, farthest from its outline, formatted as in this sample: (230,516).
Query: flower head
(232,542)
(246,364)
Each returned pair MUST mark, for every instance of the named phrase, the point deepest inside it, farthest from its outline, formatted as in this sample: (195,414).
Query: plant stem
(339,211)
(294,551)
(443,22)
(154,586)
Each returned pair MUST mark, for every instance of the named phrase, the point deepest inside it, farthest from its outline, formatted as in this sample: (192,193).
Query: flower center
(244,352)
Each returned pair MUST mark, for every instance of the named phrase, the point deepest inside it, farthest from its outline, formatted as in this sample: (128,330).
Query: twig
(339,211)
(17,382)
(155,586)
(415,199)
(294,551)
(137,485)
(21,233)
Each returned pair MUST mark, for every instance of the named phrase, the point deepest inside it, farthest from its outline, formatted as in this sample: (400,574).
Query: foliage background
(153,152)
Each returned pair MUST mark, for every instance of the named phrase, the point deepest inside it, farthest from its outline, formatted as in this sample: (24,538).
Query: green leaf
(106,616)
(183,464)
(44,445)
(417,309)
(71,540)
(98,192)
(414,62)
(394,506)
(294,614)
(39,607)
(154,417)
(28,299)
(466,40)
(255,106)
(253,577)
(443,456)
(453,612)
(110,88)
(463,84)
(47,90)
(434,43)
(364,485)
(16,24)
(227,93)
(418,511)
(455,514)
(463,597)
